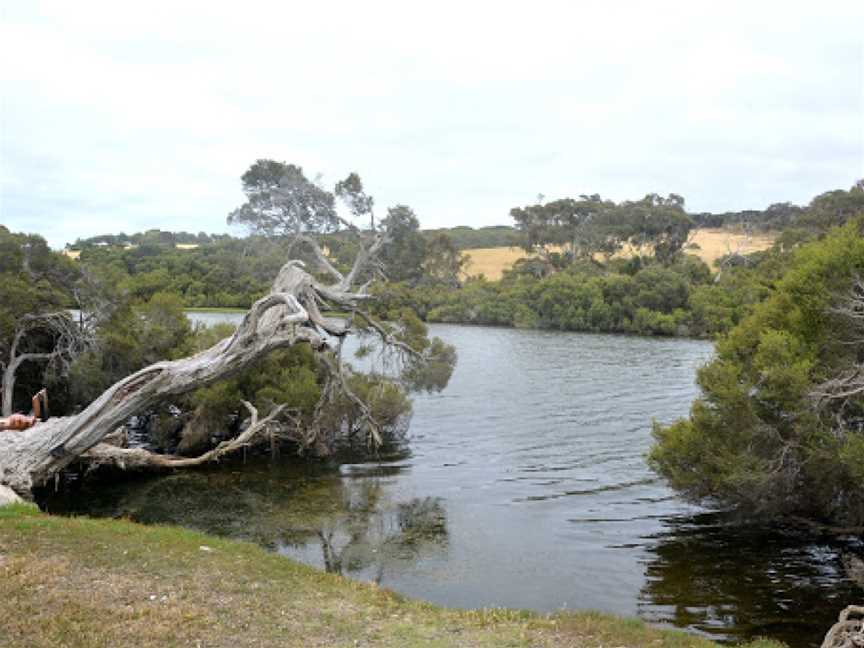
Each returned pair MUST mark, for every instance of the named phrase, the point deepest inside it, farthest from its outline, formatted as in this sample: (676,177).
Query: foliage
(403,257)
(566,231)
(830,209)
(280,200)
(443,262)
(644,298)
(136,335)
(228,272)
(757,439)
(33,281)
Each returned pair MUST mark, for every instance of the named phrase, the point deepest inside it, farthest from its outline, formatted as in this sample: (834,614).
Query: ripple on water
(526,486)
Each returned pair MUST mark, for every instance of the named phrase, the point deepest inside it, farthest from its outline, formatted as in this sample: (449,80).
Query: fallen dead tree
(289,315)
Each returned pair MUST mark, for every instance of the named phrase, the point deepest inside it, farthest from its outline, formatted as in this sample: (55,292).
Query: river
(524,484)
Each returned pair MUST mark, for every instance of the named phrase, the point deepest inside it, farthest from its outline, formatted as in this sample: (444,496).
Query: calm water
(525,485)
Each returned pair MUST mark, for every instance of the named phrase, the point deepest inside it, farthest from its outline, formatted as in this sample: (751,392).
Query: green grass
(87,582)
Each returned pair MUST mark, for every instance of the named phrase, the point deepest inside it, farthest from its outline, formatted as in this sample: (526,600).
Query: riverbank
(86,582)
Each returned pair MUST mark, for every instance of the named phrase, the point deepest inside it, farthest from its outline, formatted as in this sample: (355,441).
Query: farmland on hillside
(713,243)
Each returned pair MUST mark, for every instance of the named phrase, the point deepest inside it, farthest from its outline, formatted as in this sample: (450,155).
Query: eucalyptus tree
(444,262)
(658,223)
(567,230)
(280,201)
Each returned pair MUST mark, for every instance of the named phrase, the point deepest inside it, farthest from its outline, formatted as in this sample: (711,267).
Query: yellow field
(713,244)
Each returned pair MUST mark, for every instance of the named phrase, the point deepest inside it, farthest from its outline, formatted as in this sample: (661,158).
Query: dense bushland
(779,428)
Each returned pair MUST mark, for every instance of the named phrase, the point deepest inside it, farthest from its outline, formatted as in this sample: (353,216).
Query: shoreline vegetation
(646,267)
(89,582)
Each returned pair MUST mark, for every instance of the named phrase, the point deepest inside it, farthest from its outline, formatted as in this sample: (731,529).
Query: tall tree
(566,230)
(778,429)
(657,222)
(833,208)
(444,262)
(403,258)
(282,201)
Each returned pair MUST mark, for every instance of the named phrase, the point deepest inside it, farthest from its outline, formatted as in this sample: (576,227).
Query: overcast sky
(123,116)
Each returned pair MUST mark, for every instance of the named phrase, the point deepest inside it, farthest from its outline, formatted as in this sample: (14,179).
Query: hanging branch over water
(289,315)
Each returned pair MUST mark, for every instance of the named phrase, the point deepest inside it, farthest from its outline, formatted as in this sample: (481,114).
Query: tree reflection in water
(383,537)
(709,574)
(281,506)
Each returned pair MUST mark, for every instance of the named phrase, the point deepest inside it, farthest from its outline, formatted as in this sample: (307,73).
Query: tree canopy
(567,230)
(281,200)
(778,429)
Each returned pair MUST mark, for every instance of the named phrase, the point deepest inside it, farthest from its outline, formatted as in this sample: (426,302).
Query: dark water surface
(524,485)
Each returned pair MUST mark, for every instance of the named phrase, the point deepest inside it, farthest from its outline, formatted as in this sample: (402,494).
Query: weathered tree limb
(287,316)
(848,632)
(8,496)
(104,454)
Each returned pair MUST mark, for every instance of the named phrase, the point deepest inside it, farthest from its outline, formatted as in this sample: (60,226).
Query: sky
(121,116)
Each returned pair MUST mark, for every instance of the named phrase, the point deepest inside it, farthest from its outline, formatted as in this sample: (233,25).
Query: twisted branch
(104,454)
(848,632)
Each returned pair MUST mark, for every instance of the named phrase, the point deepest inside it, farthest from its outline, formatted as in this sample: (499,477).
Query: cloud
(119,117)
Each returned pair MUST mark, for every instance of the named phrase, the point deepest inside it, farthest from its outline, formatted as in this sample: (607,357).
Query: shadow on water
(734,582)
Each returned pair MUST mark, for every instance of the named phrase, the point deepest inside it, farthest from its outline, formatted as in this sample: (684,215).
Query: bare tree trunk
(70,340)
(288,315)
(8,387)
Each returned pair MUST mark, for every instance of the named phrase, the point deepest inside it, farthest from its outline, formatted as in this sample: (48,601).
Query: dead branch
(69,340)
(104,454)
(848,632)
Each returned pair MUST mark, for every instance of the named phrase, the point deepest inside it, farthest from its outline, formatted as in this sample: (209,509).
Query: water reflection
(712,574)
(380,538)
(355,522)
(526,487)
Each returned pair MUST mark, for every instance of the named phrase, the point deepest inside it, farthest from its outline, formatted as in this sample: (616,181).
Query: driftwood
(848,632)
(289,315)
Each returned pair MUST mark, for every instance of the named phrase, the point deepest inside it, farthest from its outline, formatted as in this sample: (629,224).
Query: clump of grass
(91,583)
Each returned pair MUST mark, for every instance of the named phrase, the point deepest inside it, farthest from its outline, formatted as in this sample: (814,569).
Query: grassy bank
(84,582)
